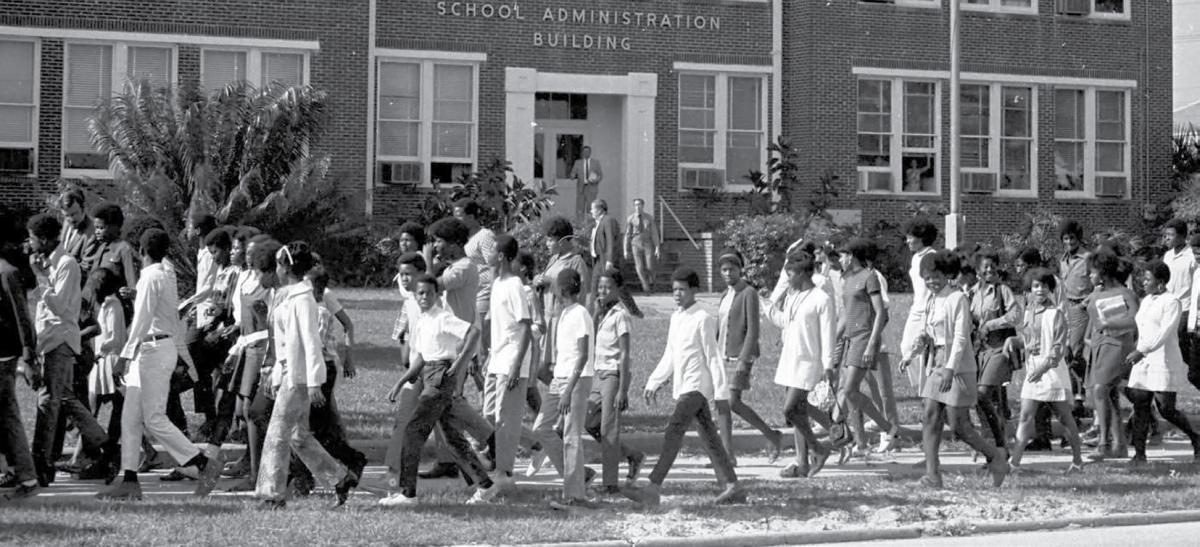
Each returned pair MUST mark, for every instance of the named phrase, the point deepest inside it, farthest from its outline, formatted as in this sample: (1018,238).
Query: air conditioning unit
(979,183)
(1074,7)
(1110,187)
(701,179)
(400,173)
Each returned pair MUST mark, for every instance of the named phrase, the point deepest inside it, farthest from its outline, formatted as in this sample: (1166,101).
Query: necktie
(587,168)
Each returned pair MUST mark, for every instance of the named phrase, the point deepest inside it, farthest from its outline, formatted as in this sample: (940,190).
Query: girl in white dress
(1158,367)
(1043,336)
(805,313)
(110,318)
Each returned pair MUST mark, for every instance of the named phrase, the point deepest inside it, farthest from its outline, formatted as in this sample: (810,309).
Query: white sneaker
(397,500)
(887,443)
(484,495)
(537,459)
(870,426)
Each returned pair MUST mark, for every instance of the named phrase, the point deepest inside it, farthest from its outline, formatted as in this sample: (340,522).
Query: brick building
(1066,104)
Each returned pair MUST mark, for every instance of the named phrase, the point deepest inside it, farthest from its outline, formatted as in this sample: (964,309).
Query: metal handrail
(662,205)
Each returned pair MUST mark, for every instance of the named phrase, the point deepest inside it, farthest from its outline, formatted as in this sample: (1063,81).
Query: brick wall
(340,67)
(824,40)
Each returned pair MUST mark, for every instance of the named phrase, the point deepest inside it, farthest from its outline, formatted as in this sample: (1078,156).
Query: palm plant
(240,153)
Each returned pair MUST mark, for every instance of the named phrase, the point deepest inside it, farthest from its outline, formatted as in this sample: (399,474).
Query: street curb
(893,534)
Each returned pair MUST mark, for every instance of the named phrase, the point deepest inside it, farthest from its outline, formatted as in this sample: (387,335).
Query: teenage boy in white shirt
(566,400)
(404,394)
(693,363)
(511,324)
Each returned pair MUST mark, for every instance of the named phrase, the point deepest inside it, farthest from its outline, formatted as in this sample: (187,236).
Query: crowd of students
(261,341)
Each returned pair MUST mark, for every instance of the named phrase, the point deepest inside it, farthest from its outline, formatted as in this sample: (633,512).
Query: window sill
(970,9)
(899,195)
(913,6)
(1094,19)
(102,174)
(1084,196)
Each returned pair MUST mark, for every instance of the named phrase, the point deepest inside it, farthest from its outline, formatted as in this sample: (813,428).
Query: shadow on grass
(154,505)
(30,533)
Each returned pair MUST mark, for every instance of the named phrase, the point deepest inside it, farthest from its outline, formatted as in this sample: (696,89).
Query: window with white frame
(219,68)
(997,146)
(899,136)
(426,121)
(722,129)
(1091,142)
(919,3)
(1116,9)
(18,106)
(1002,6)
(89,74)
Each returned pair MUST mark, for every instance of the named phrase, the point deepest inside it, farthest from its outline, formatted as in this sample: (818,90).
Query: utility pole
(954,219)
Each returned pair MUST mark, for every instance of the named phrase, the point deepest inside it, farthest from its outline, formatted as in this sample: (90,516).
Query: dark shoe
(300,487)
(244,485)
(23,491)
(342,490)
(176,475)
(123,491)
(1039,445)
(635,466)
(1138,460)
(239,469)
(9,480)
(209,475)
(356,469)
(45,477)
(96,471)
(150,463)
(272,505)
(589,475)
(440,471)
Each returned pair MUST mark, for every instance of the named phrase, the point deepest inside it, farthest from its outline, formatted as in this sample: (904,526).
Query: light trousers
(566,453)
(147,386)
(509,412)
(406,405)
(287,432)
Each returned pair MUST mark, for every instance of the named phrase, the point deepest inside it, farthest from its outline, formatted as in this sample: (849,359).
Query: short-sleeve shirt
(506,310)
(437,335)
(460,282)
(612,326)
(574,323)
(857,290)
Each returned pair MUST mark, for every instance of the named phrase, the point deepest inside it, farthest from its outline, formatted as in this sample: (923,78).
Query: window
(219,68)
(921,3)
(427,124)
(1115,9)
(1002,6)
(90,75)
(898,148)
(722,128)
(560,106)
(18,106)
(1091,142)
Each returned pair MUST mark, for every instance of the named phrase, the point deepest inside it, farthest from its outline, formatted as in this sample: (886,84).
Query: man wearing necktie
(587,174)
(642,243)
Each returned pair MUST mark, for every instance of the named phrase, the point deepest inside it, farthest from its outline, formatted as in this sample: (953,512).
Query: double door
(555,150)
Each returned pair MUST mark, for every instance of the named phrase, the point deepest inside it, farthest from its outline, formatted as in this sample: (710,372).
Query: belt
(154,337)
(440,362)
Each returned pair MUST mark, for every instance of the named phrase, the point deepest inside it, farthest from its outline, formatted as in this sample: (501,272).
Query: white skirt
(1053,386)
(100,379)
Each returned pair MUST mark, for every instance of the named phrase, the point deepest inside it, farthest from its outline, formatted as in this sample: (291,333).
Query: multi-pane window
(997,139)
(18,106)
(1091,141)
(219,68)
(1118,9)
(898,136)
(722,128)
(1012,6)
(426,122)
(91,73)
(1016,139)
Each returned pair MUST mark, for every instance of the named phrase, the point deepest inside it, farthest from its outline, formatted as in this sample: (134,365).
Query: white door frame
(637,139)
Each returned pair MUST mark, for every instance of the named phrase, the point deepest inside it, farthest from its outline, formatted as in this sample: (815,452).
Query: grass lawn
(775,506)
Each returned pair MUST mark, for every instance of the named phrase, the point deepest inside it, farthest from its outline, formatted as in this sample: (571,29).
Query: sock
(130,476)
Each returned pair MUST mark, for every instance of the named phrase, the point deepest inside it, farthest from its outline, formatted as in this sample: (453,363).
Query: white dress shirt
(57,314)
(691,361)
(916,314)
(295,330)
(1183,266)
(155,309)
(808,325)
(437,335)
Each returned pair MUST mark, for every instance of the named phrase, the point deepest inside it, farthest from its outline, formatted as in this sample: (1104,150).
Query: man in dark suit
(606,237)
(587,174)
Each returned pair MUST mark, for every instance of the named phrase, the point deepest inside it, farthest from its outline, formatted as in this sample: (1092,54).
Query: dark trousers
(1193,358)
(1143,403)
(57,395)
(207,358)
(79,383)
(603,424)
(13,443)
(433,408)
(326,426)
(691,407)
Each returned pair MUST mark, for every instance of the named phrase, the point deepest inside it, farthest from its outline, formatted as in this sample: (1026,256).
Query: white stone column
(638,139)
(520,85)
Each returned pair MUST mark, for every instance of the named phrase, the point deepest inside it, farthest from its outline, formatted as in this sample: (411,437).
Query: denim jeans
(289,431)
(57,395)
(326,426)
(13,443)
(688,407)
(434,407)
(566,453)
(603,423)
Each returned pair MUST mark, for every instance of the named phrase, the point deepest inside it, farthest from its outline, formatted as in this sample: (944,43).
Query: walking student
(1112,313)
(610,388)
(805,313)
(147,361)
(950,391)
(442,345)
(1158,370)
(1077,285)
(296,378)
(995,312)
(18,348)
(566,400)
(404,394)
(508,368)
(1047,380)
(737,334)
(692,363)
